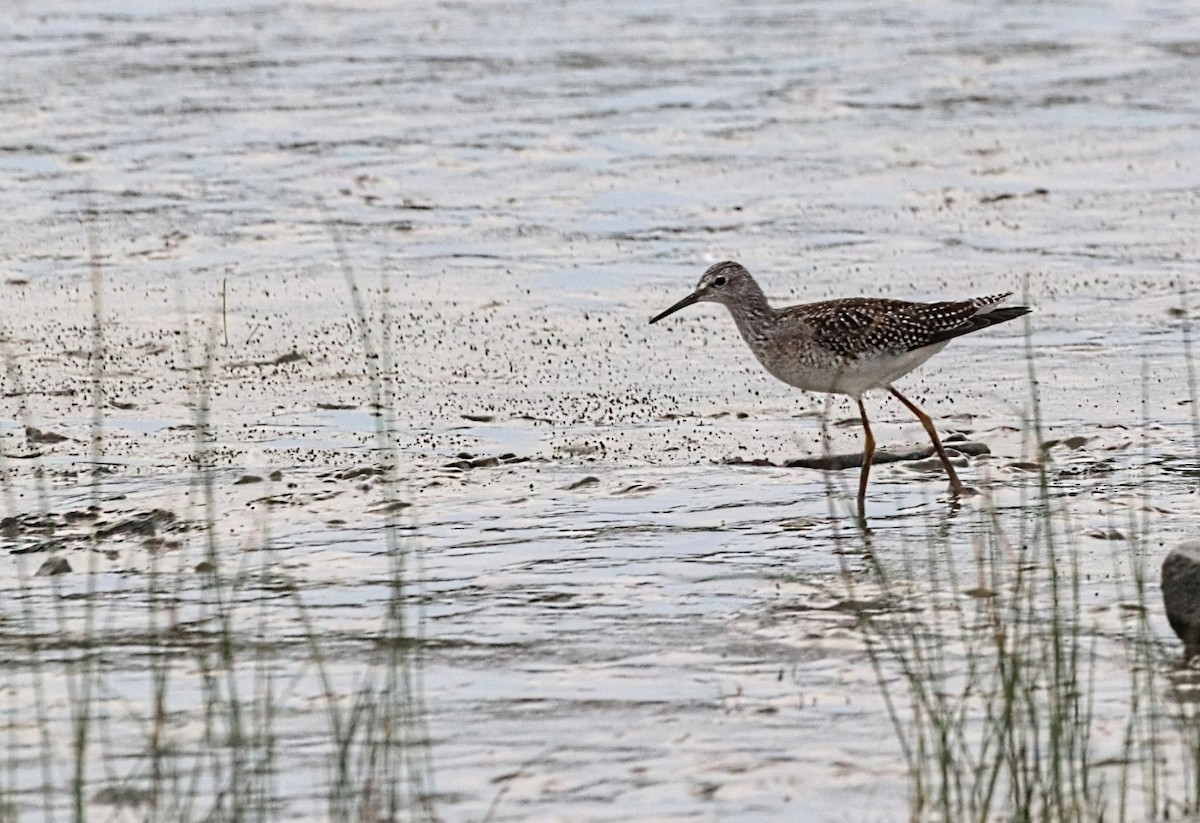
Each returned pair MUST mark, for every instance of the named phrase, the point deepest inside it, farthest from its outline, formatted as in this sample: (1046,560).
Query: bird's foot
(959,491)
(861,519)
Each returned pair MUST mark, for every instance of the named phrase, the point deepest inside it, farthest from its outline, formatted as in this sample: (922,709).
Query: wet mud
(634,599)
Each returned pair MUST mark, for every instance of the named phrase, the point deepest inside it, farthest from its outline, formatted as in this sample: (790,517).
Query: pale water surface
(617,624)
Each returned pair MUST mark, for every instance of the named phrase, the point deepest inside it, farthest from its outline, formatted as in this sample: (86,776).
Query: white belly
(850,376)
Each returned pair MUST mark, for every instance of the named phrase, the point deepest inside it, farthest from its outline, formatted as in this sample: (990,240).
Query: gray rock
(55,565)
(1181,594)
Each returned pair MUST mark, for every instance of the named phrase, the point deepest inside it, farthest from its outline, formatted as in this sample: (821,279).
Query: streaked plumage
(847,346)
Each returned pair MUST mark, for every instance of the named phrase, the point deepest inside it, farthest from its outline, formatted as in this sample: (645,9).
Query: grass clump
(1013,698)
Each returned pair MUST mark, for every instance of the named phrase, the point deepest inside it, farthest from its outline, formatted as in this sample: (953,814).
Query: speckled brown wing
(948,321)
(863,326)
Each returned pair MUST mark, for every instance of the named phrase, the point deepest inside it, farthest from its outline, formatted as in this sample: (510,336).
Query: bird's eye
(719,280)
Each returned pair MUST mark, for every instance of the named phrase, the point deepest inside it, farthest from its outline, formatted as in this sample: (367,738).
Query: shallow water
(618,624)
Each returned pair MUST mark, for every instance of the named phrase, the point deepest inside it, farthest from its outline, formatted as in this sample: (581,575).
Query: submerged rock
(854,460)
(53,566)
(1181,594)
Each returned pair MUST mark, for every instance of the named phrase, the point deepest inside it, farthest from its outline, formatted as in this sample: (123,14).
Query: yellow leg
(868,455)
(956,487)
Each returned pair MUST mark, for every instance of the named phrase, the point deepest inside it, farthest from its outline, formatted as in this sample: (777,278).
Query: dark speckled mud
(622,622)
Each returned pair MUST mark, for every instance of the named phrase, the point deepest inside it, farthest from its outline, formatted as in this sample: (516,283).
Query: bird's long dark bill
(682,304)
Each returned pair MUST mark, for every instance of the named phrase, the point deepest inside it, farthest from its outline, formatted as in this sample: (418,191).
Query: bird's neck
(752,314)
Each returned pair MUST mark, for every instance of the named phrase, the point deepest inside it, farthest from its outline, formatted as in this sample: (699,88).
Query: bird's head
(726,283)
